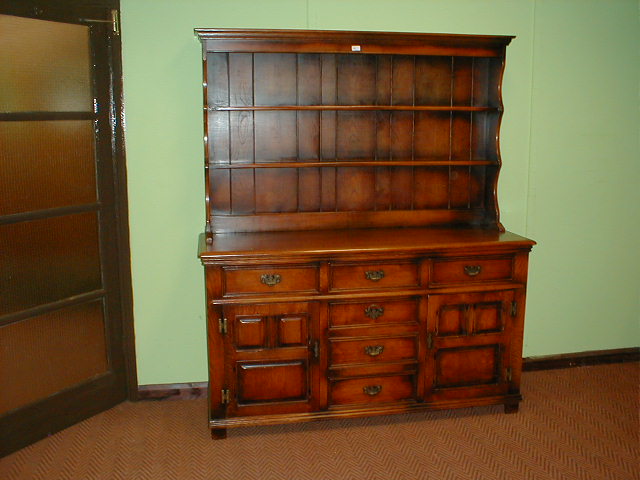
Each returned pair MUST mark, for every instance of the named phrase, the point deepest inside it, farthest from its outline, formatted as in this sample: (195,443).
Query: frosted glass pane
(45,354)
(46,164)
(42,261)
(46,66)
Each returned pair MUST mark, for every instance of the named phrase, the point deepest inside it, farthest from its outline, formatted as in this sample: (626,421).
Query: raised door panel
(468,366)
(271,364)
(272,382)
(469,344)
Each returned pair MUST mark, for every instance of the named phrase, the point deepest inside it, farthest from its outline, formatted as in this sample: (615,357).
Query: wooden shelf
(385,139)
(355,108)
(357,163)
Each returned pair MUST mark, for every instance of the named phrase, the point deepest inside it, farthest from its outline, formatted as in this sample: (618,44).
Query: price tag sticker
(355,48)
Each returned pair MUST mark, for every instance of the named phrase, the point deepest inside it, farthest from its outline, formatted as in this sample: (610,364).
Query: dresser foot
(218,433)
(511,407)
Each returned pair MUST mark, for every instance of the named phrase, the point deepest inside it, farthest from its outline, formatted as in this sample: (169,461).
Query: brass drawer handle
(374,350)
(270,279)
(373,311)
(472,270)
(374,275)
(372,390)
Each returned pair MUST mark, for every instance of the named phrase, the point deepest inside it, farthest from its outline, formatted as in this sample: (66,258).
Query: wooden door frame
(29,424)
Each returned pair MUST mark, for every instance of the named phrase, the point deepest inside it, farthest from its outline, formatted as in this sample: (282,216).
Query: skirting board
(190,391)
(581,359)
(173,391)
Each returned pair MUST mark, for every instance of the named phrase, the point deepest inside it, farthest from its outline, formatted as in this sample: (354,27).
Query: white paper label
(355,48)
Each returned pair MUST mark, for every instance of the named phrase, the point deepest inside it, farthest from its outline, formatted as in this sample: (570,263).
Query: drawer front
(470,270)
(372,390)
(373,312)
(373,350)
(374,276)
(270,279)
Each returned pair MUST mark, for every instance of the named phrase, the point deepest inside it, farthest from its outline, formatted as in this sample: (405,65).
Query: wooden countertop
(356,241)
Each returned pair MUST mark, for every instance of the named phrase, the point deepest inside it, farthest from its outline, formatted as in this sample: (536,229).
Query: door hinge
(224,396)
(430,341)
(222,325)
(508,374)
(315,348)
(115,21)
(514,308)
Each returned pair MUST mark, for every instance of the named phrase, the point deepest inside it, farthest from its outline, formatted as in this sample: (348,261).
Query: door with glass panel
(64,274)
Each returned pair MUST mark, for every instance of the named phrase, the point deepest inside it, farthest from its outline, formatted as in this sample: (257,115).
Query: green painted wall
(584,182)
(570,146)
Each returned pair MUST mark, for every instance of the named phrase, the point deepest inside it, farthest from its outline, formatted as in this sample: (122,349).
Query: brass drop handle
(374,275)
(373,311)
(472,270)
(270,279)
(372,390)
(374,350)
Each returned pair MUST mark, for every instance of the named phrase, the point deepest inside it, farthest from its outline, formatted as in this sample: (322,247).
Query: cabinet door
(271,358)
(469,340)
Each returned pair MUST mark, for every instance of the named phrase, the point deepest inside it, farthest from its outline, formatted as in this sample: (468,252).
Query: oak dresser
(354,259)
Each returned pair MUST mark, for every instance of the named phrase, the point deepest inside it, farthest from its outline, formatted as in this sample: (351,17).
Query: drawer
(471,270)
(300,278)
(372,390)
(373,276)
(373,350)
(373,312)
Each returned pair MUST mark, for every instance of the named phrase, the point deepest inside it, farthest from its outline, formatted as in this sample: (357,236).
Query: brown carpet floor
(579,423)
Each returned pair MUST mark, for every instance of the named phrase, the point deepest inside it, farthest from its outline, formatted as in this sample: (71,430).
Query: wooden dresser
(354,259)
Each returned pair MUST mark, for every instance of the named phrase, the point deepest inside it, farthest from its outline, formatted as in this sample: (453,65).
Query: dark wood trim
(29,424)
(49,307)
(195,390)
(49,213)
(44,116)
(121,201)
(49,9)
(582,359)
(173,391)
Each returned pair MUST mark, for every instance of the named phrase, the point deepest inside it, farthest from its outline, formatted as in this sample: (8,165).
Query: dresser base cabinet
(362,331)
(355,263)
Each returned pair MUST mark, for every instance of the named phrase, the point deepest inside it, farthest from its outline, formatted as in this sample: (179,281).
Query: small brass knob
(472,270)
(374,350)
(374,275)
(270,279)
(372,390)
(373,311)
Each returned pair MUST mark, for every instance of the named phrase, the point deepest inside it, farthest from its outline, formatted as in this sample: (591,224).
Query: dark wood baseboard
(173,391)
(190,391)
(581,359)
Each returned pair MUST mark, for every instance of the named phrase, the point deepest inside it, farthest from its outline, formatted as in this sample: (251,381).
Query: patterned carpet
(579,423)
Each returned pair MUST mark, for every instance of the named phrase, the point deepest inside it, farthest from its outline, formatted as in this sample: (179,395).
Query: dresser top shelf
(356,241)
